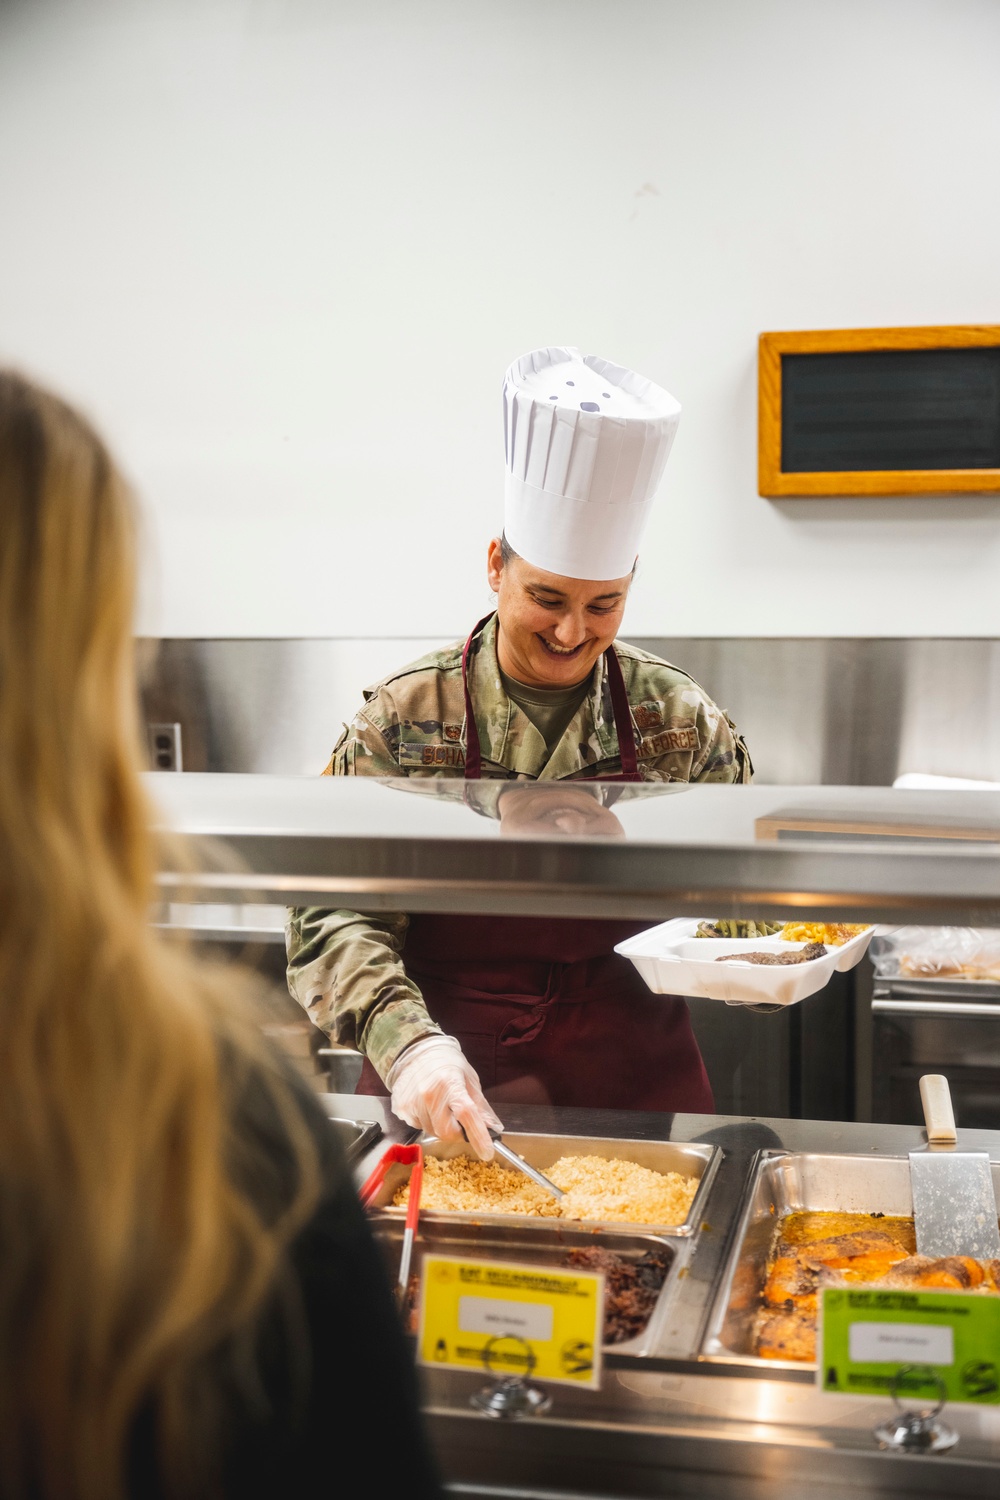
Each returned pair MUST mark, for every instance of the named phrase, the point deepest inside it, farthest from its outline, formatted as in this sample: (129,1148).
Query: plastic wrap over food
(937,953)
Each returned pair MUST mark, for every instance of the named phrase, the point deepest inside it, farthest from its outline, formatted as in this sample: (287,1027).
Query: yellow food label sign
(506,1319)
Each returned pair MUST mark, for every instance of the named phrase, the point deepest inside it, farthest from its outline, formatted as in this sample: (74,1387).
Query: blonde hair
(131,1248)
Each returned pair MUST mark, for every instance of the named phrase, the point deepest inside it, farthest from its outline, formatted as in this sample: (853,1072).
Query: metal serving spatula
(507,1152)
(501,1147)
(954,1205)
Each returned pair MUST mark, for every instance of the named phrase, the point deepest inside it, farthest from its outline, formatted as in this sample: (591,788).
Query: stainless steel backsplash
(840,711)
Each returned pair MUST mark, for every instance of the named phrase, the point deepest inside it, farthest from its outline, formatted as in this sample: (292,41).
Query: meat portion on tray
(799,956)
(882,1255)
(631,1287)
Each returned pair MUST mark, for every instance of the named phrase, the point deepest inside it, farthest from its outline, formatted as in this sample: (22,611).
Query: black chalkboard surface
(890,409)
(880,411)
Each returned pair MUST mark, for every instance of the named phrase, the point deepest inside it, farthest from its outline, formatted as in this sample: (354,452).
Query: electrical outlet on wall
(165,747)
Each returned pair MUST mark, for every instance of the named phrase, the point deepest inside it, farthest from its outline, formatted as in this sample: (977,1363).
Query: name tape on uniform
(671,739)
(867,1338)
(433,755)
(508,1319)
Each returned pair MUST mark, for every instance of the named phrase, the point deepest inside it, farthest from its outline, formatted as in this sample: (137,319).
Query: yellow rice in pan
(595,1187)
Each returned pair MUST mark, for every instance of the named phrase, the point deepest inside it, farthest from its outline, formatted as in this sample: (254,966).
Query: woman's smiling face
(552,629)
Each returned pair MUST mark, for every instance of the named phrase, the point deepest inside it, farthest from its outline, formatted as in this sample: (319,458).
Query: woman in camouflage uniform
(539,1010)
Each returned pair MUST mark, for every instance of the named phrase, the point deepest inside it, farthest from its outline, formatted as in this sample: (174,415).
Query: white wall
(283,250)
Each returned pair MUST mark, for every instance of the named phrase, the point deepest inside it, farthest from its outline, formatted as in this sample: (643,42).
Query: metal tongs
(502,1149)
(413,1157)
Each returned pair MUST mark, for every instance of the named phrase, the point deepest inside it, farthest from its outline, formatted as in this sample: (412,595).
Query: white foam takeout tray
(673,961)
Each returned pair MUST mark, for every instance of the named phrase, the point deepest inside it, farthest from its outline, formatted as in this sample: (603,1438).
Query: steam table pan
(692,1159)
(514,1240)
(781,1183)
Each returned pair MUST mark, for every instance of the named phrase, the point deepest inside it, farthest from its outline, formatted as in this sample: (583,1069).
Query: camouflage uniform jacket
(346,968)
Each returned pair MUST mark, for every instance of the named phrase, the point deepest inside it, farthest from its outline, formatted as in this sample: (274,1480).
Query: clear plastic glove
(434,1088)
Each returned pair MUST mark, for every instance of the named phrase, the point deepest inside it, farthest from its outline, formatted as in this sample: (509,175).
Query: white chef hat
(586,444)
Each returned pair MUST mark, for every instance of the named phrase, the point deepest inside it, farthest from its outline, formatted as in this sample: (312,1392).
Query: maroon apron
(544,1009)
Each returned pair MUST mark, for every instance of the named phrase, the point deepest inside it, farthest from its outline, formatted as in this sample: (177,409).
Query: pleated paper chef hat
(586,444)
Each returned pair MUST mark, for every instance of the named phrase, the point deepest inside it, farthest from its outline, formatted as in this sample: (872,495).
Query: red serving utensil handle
(407,1156)
(416,1184)
(410,1232)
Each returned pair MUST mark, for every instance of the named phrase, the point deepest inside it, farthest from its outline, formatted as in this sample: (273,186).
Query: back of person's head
(131,1246)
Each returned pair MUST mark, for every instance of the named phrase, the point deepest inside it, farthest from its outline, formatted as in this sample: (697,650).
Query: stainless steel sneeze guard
(854,853)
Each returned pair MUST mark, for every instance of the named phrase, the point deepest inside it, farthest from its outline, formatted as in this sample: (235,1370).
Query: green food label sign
(876,1342)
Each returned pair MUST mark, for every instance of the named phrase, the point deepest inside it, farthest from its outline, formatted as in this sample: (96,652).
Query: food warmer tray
(513,1240)
(691,1158)
(780,1183)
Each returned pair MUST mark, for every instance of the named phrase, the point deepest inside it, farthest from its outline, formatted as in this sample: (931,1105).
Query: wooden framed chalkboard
(879,411)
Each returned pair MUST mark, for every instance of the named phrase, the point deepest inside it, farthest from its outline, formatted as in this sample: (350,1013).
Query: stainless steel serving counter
(672,1423)
(653,850)
(668,1422)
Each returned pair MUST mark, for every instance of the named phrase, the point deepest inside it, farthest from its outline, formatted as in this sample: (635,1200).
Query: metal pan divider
(710,1345)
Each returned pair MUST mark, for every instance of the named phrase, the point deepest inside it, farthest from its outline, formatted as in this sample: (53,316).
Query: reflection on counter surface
(274,807)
